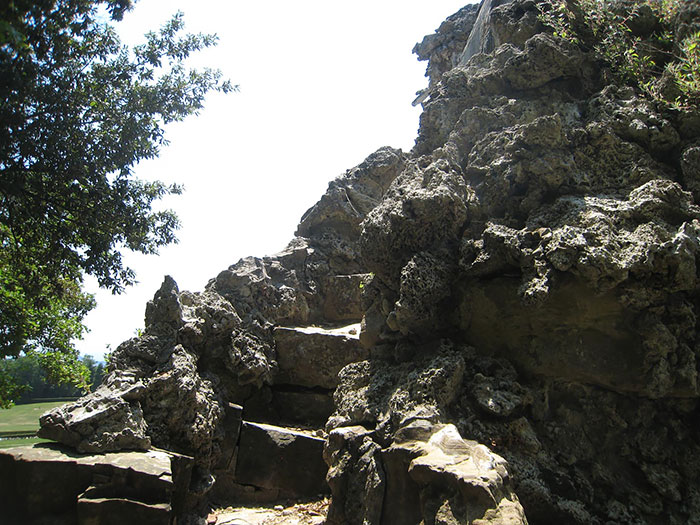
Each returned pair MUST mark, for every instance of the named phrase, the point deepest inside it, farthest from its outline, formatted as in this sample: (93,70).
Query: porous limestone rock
(201,353)
(388,395)
(527,284)
(548,220)
(428,474)
(111,419)
(443,48)
(355,475)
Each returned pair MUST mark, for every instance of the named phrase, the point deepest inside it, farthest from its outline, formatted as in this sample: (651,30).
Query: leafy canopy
(35,385)
(78,110)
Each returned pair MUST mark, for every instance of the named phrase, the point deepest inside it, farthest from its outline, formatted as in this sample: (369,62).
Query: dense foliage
(645,43)
(32,383)
(78,111)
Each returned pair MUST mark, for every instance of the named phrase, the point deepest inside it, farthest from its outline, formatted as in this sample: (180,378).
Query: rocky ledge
(526,283)
(147,487)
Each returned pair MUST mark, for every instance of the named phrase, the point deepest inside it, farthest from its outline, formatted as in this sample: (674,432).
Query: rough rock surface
(328,350)
(527,284)
(268,334)
(546,226)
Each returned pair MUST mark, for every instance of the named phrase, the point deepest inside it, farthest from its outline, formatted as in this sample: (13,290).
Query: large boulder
(429,474)
(109,420)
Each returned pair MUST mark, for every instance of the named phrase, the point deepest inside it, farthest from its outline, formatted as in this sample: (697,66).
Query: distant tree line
(29,372)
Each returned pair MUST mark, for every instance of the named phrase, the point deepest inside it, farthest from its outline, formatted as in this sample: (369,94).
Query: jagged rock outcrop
(546,222)
(526,279)
(268,335)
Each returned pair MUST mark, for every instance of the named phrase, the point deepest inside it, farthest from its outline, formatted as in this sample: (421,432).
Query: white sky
(323,85)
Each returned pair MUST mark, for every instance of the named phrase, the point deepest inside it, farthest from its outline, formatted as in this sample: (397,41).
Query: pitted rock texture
(109,420)
(201,352)
(547,226)
(526,277)
(443,48)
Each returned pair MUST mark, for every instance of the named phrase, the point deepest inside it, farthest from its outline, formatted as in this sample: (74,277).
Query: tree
(29,375)
(78,110)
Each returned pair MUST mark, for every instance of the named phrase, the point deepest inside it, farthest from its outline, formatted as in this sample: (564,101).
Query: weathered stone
(422,208)
(402,498)
(497,398)
(136,484)
(343,297)
(349,198)
(312,356)
(233,419)
(390,395)
(425,284)
(103,422)
(439,479)
(481,38)
(443,48)
(273,457)
(547,221)
(476,479)
(95,510)
(182,410)
(355,475)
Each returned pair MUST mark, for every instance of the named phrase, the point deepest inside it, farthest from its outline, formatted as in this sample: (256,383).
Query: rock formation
(499,326)
(47,485)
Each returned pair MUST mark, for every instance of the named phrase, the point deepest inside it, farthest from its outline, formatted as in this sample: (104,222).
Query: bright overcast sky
(322,85)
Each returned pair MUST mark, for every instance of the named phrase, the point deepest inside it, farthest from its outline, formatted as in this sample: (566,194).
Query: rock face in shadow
(546,228)
(526,280)
(51,484)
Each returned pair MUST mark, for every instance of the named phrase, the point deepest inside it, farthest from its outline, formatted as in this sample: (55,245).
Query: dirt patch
(300,513)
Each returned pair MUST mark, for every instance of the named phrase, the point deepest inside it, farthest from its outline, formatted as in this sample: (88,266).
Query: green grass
(20,442)
(23,418)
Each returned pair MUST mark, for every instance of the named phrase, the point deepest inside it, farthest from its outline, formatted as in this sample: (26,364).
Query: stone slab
(233,416)
(117,511)
(312,357)
(58,476)
(273,457)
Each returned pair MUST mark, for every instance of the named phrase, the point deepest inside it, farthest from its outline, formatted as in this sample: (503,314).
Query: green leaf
(78,112)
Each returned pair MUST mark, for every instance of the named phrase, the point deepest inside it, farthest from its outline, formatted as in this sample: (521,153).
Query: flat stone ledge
(154,482)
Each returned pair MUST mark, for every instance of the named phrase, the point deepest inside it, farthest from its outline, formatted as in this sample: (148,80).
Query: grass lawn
(24,418)
(20,442)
